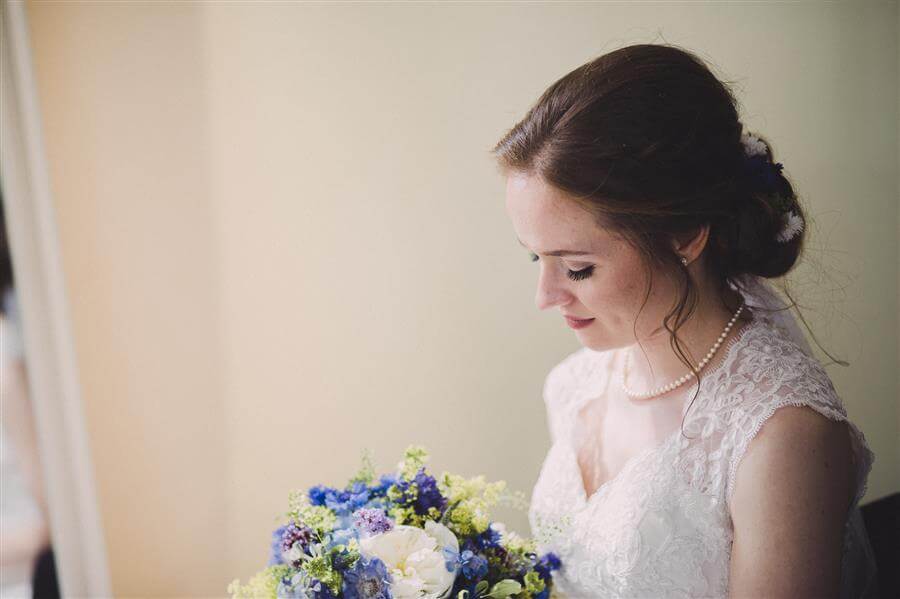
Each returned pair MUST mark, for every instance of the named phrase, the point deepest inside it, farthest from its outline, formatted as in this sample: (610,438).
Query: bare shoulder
(794,445)
(793,424)
(793,488)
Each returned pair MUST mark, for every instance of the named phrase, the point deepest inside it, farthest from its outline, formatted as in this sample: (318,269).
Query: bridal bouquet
(407,535)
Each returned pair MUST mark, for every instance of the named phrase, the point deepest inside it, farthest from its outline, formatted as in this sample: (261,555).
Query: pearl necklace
(686,377)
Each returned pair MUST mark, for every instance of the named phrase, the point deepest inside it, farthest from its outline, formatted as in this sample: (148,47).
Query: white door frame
(75,524)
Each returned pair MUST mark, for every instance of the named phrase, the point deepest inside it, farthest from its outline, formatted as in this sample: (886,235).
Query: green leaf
(504,589)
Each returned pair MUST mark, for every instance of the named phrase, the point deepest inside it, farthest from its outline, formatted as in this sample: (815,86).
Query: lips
(577,323)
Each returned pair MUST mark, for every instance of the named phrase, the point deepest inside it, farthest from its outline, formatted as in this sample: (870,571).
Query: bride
(698,447)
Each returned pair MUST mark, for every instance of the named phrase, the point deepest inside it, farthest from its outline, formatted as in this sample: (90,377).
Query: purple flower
(292,534)
(372,521)
(367,579)
(428,494)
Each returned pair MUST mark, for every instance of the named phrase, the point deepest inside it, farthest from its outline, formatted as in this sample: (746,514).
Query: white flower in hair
(753,146)
(792,227)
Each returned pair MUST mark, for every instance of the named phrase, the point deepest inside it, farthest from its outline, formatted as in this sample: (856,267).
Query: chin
(599,345)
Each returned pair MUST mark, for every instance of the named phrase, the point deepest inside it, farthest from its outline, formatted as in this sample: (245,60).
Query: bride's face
(584,270)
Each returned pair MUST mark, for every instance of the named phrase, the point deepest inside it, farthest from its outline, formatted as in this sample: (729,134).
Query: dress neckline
(572,451)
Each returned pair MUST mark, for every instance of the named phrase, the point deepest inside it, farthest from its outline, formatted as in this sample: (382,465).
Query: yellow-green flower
(263,585)
(317,517)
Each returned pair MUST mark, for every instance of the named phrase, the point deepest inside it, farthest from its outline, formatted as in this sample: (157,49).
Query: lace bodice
(661,527)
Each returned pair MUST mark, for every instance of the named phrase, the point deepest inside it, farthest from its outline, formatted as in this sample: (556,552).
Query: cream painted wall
(123,102)
(285,239)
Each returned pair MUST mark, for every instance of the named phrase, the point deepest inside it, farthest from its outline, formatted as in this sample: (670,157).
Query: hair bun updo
(649,140)
(765,235)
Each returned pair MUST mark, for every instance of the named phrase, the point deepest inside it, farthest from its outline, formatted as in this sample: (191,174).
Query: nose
(549,290)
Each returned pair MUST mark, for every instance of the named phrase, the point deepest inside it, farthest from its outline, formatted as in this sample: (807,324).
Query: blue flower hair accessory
(763,175)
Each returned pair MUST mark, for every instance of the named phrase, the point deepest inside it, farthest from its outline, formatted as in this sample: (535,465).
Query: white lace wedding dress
(661,526)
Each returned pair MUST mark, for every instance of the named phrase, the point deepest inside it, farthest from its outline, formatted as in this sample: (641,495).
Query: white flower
(293,554)
(753,146)
(793,225)
(415,559)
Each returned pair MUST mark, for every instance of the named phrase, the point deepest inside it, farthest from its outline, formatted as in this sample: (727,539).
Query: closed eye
(575,275)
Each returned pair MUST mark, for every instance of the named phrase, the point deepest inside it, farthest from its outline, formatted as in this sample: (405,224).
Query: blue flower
(551,560)
(341,502)
(762,173)
(474,565)
(319,590)
(385,482)
(318,493)
(451,558)
(358,495)
(340,536)
(381,503)
(275,558)
(490,538)
(292,586)
(287,590)
(546,564)
(367,579)
(429,495)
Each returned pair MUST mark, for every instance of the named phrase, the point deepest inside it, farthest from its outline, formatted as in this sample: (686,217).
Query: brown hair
(648,140)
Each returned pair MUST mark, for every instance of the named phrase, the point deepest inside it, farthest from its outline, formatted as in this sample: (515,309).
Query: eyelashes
(578,275)
(575,275)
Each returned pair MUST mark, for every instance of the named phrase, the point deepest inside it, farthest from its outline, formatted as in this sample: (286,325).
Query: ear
(691,244)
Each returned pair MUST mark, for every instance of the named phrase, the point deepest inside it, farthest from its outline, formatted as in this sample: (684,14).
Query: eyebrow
(559,252)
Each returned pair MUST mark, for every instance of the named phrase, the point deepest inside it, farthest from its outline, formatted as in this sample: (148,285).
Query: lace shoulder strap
(581,375)
(771,371)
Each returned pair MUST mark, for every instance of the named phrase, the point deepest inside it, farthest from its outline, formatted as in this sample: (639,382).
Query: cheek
(617,296)
(626,283)
(615,293)
(647,311)
(621,282)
